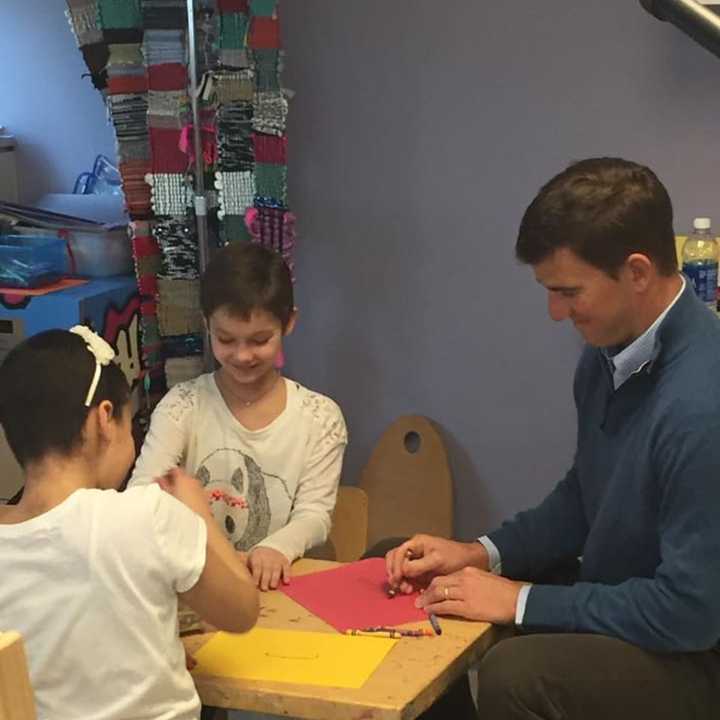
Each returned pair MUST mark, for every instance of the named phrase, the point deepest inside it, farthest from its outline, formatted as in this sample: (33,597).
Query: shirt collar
(639,352)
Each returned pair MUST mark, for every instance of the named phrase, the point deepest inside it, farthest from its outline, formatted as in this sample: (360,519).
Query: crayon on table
(394,634)
(435,624)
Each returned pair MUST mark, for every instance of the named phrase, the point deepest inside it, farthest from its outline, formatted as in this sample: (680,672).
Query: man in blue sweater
(634,632)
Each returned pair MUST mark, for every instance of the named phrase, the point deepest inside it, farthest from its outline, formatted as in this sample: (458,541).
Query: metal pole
(199,199)
(692,17)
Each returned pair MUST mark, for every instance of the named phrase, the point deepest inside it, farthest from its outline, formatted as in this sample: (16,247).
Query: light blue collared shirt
(639,352)
(623,365)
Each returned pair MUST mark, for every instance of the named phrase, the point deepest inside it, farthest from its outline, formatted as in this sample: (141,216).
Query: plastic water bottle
(700,261)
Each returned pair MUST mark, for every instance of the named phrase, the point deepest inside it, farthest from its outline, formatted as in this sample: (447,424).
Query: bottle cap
(701,223)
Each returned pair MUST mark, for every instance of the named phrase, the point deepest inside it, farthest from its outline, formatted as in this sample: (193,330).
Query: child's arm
(225,594)
(311,516)
(166,442)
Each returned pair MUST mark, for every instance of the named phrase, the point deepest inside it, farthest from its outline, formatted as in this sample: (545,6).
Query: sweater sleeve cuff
(521,604)
(494,559)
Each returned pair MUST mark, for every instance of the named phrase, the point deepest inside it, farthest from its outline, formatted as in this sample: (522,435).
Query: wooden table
(411,677)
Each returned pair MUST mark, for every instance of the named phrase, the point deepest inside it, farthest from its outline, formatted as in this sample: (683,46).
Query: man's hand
(187,489)
(423,557)
(472,594)
(268,567)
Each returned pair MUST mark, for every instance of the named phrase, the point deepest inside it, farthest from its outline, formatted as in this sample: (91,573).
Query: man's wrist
(478,555)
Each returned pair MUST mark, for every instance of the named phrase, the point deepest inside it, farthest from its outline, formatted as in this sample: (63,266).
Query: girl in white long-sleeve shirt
(268,450)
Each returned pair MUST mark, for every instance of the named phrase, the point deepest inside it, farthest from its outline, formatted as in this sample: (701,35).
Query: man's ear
(640,270)
(292,320)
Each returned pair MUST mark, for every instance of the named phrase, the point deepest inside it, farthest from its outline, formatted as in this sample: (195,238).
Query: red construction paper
(353,596)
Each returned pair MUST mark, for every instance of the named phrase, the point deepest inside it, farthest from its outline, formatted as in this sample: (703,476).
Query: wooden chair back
(408,482)
(16,696)
(347,540)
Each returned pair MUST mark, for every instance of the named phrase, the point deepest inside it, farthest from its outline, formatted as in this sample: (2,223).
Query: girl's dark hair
(603,210)
(43,384)
(244,276)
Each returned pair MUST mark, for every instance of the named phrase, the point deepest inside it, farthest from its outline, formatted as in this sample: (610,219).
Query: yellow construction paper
(307,658)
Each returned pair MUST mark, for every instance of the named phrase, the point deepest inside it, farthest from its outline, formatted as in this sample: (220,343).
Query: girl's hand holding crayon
(187,489)
(268,567)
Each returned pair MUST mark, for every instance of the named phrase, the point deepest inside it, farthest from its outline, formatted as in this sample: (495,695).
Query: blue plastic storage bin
(101,254)
(29,261)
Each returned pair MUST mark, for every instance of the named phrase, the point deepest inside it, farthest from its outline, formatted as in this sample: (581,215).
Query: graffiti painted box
(111,306)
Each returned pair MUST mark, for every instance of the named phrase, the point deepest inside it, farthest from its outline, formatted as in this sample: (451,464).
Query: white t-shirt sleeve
(166,442)
(311,515)
(181,539)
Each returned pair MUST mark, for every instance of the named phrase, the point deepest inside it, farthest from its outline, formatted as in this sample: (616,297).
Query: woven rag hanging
(236,192)
(136,51)
(179,370)
(178,243)
(271,182)
(264,8)
(233,31)
(235,147)
(167,157)
(233,58)
(268,65)
(270,113)
(119,14)
(170,194)
(233,6)
(179,307)
(270,149)
(167,76)
(264,33)
(164,14)
(82,16)
(230,86)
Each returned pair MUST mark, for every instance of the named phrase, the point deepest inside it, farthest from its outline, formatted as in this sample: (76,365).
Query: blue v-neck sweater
(641,503)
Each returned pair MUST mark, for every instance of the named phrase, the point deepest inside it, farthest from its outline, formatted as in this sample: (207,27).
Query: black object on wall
(697,20)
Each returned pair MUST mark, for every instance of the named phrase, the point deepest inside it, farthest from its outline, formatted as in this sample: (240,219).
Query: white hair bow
(102,352)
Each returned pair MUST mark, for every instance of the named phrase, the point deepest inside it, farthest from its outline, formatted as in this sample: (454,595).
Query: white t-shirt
(92,586)
(276,486)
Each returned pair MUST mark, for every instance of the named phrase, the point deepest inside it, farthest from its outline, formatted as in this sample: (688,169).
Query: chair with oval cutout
(408,482)
(348,536)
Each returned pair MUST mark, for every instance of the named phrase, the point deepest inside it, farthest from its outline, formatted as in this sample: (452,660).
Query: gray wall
(419,133)
(56,115)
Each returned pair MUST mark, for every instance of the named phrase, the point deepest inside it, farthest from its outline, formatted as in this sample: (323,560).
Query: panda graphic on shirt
(247,503)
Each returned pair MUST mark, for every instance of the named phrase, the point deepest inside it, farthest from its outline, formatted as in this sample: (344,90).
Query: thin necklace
(248,403)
